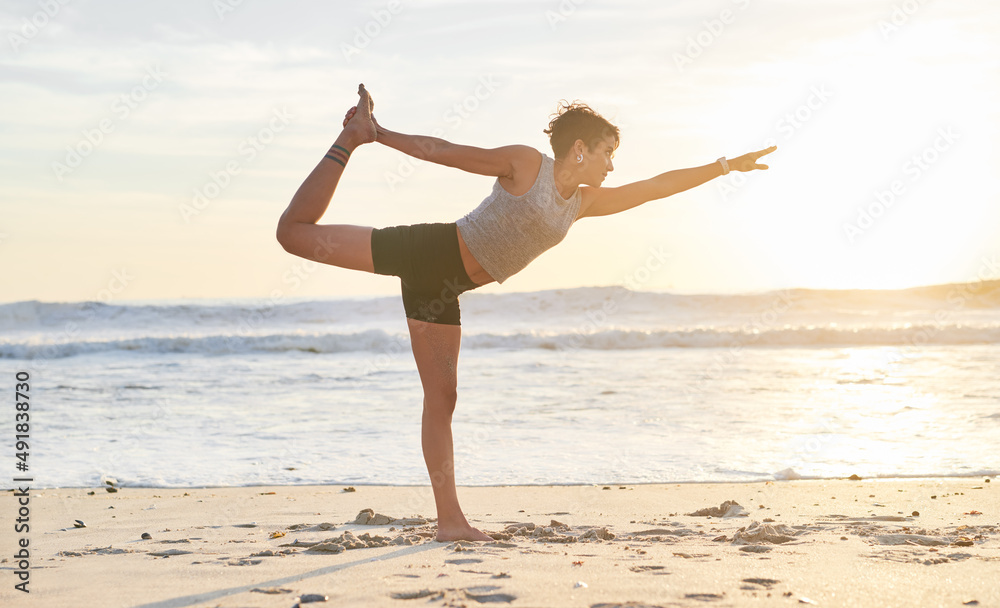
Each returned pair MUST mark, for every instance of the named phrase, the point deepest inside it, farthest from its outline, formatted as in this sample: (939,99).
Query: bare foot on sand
(464,533)
(359,124)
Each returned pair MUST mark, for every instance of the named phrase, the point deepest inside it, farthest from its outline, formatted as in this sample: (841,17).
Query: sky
(148,148)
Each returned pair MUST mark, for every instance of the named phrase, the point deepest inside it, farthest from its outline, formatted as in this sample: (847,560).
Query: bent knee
(285,235)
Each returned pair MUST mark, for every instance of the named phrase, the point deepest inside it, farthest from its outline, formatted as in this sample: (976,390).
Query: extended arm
(606,201)
(496,162)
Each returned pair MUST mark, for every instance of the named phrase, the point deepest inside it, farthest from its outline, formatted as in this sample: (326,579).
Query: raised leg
(435,349)
(340,245)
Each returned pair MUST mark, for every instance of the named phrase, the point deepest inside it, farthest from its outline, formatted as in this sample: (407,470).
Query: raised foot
(359,125)
(467,533)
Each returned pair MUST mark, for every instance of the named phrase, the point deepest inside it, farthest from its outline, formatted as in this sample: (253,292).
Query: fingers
(349,115)
(760,153)
(756,166)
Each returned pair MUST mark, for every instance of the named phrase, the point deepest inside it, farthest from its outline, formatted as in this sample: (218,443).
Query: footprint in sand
(691,555)
(479,594)
(482,594)
(169,553)
(705,597)
(650,569)
(271,590)
(416,595)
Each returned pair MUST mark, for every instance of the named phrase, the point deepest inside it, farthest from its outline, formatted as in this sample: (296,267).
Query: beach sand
(894,542)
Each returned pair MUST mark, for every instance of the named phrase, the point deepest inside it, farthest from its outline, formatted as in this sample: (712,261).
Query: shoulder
(526,163)
(525,158)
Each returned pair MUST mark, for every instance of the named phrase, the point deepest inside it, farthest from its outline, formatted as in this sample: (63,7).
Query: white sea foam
(599,318)
(592,385)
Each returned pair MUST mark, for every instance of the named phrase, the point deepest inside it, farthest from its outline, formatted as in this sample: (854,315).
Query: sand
(898,542)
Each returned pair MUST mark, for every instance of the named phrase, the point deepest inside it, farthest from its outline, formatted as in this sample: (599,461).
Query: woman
(534,201)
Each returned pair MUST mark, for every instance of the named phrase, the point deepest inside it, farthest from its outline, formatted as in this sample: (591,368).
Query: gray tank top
(505,232)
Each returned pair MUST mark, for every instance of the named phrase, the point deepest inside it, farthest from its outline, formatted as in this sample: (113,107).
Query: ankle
(348,142)
(453,521)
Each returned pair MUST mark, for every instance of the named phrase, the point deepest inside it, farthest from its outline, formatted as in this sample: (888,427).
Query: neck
(565,179)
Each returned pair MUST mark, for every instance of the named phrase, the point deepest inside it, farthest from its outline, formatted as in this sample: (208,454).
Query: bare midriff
(472,267)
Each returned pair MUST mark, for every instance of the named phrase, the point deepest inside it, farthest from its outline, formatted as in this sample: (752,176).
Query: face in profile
(597,163)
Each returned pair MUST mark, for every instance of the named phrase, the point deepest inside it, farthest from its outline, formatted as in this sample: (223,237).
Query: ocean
(596,385)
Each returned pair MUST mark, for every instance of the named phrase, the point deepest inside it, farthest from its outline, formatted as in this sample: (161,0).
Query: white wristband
(725,165)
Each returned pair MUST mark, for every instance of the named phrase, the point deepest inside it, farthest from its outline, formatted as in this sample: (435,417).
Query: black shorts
(428,262)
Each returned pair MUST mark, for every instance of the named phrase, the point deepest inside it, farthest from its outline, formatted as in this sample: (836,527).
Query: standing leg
(435,348)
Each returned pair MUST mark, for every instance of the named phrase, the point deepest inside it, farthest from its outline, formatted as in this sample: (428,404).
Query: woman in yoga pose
(534,201)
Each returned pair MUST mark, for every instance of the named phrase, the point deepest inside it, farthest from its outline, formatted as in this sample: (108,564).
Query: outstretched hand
(350,114)
(748,162)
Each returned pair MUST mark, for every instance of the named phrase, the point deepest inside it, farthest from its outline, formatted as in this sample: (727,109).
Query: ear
(579,147)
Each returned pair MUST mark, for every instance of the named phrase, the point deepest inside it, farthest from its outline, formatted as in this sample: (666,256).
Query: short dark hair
(575,121)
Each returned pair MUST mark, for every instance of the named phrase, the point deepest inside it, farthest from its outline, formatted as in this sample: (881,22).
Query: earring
(579,158)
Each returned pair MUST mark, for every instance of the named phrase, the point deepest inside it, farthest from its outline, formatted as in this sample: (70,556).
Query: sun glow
(882,177)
